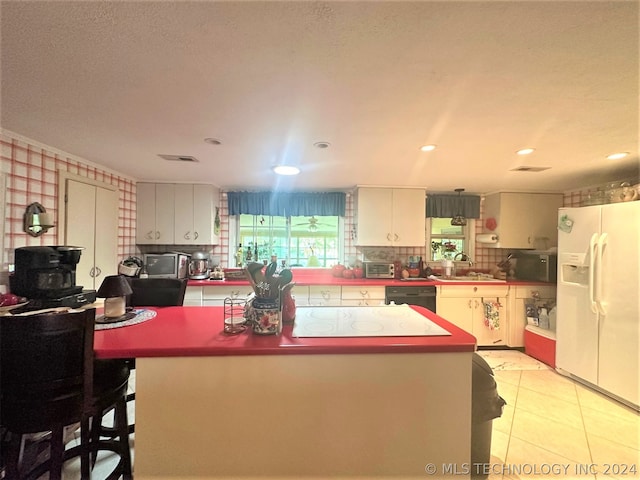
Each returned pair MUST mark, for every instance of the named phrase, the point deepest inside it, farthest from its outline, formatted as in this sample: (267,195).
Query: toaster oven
(378,270)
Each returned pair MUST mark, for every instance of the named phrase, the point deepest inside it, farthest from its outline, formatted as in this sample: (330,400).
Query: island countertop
(198,331)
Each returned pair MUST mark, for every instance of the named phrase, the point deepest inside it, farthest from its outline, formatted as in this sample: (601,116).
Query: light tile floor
(550,423)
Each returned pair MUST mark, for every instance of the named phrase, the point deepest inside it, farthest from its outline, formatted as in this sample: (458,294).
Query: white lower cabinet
(193,297)
(517,317)
(360,295)
(463,305)
(319,295)
(214,296)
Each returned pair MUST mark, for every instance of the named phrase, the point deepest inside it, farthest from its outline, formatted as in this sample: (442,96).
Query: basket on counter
(235,274)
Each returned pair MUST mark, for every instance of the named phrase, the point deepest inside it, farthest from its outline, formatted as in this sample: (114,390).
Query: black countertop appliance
(47,276)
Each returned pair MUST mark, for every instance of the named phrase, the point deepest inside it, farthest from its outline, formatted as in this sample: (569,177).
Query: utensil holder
(266,317)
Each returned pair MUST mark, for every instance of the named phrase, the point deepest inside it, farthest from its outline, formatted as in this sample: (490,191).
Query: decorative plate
(8,308)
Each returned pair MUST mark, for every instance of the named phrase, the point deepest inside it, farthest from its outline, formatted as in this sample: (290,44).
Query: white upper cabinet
(523,220)
(390,217)
(194,214)
(155,213)
(176,214)
(91,221)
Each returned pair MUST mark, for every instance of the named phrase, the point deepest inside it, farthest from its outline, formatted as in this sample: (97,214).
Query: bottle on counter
(239,256)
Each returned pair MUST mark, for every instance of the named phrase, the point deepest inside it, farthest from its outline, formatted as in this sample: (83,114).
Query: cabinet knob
(157,235)
(186,236)
(195,235)
(149,235)
(99,272)
(389,236)
(92,272)
(395,237)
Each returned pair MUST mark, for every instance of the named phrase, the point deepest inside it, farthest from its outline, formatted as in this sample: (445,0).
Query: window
(299,241)
(447,240)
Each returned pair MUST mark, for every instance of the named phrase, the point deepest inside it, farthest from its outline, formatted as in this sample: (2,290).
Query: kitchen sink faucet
(464,258)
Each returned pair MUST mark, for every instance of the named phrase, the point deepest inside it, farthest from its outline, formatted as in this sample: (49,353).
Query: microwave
(539,267)
(167,265)
(378,270)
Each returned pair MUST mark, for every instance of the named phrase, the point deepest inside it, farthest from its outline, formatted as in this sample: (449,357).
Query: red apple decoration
(358,272)
(347,273)
(9,299)
(337,270)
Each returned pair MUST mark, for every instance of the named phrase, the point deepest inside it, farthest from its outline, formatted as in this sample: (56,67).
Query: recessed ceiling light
(213,141)
(525,151)
(322,144)
(427,148)
(617,156)
(286,170)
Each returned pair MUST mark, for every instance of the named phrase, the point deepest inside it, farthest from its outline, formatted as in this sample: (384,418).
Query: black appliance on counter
(423,296)
(47,277)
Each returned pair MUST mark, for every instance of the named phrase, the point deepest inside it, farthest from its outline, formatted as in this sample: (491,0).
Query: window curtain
(289,204)
(446,206)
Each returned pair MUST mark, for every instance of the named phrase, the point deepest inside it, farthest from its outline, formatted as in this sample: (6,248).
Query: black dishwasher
(424,296)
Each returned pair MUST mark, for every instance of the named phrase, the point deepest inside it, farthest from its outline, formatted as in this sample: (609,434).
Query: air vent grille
(529,169)
(179,158)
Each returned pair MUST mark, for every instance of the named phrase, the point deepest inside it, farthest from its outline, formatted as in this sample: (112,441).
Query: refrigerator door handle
(593,246)
(602,242)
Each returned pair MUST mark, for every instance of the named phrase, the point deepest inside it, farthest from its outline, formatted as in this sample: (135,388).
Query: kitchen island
(210,405)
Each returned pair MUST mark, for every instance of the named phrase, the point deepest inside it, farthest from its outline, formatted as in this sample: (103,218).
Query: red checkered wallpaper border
(32,176)
(31,171)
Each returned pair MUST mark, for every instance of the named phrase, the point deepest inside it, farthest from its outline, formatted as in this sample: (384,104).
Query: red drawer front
(540,348)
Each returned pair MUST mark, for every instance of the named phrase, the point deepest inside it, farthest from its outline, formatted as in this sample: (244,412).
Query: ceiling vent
(529,169)
(179,158)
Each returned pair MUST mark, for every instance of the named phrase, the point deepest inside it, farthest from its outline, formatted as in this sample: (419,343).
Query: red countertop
(327,279)
(197,331)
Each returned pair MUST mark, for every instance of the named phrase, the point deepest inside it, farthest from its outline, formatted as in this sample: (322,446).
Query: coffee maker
(47,277)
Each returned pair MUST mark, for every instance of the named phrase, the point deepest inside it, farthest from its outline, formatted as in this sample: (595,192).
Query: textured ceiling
(118,83)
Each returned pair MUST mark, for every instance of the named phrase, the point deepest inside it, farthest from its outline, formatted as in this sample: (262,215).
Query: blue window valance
(287,204)
(446,206)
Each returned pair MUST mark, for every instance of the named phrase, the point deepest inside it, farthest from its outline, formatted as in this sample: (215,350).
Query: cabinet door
(362,295)
(409,217)
(516,213)
(456,310)
(204,203)
(145,213)
(324,295)
(484,335)
(80,228)
(183,215)
(525,220)
(375,211)
(92,223)
(164,214)
(193,296)
(106,234)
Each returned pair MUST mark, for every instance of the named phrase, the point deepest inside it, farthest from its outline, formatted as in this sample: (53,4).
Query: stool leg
(122,425)
(85,446)
(57,453)
(13,455)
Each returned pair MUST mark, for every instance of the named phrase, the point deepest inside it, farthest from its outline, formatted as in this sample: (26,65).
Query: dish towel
(492,315)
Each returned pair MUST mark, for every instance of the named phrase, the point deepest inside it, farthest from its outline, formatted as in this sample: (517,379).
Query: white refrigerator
(598,298)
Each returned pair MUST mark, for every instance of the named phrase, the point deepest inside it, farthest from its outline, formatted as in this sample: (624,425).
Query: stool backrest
(157,292)
(47,369)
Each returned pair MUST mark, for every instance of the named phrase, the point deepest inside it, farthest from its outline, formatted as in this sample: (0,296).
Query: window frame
(469,238)
(234,230)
